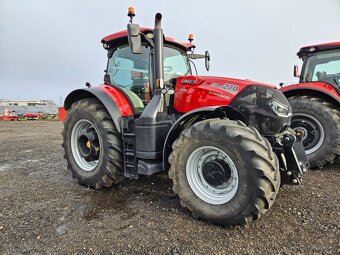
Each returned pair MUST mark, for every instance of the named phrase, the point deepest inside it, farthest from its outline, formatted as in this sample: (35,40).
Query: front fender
(191,118)
(112,100)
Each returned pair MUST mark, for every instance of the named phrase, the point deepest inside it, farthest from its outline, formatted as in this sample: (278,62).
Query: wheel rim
(85,145)
(212,175)
(313,131)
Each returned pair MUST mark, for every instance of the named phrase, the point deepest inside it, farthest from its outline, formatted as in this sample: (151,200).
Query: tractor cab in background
(321,63)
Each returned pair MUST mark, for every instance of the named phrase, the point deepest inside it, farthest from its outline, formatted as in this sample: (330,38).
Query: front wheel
(224,172)
(92,145)
(319,122)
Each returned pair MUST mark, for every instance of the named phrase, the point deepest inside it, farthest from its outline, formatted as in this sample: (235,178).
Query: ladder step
(129,153)
(129,135)
(130,161)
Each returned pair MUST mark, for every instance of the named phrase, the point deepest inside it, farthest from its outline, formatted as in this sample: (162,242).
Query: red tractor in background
(316,102)
(226,143)
(8,116)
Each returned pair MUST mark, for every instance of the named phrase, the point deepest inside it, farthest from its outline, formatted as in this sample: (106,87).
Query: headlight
(265,108)
(279,109)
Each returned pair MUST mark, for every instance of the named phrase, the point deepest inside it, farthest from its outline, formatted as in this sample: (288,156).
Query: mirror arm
(196,56)
(148,40)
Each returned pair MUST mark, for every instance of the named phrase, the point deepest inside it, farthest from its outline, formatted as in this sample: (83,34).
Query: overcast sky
(50,47)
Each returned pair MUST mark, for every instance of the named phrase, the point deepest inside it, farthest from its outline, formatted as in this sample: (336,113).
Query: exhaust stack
(158,53)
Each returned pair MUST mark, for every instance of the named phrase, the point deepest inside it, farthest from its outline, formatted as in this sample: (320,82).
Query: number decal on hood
(230,88)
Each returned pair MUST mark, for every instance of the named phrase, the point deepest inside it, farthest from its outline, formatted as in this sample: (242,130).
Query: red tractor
(8,116)
(316,102)
(226,143)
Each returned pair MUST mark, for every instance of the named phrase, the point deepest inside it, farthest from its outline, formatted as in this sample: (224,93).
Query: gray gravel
(44,211)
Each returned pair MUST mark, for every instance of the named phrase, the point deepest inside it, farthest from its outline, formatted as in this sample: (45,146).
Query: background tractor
(225,143)
(8,115)
(316,102)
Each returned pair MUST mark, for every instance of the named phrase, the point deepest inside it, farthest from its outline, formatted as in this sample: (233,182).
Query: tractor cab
(134,73)
(321,63)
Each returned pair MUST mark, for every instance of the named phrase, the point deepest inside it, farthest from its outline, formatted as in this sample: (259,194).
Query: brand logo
(186,81)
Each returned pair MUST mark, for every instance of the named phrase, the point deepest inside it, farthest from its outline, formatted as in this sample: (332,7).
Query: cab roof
(318,47)
(121,37)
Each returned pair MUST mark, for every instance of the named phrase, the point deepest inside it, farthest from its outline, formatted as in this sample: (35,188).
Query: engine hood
(193,92)
(263,105)
(200,80)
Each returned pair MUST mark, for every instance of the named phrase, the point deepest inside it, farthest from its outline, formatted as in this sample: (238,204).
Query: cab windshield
(124,66)
(132,72)
(324,67)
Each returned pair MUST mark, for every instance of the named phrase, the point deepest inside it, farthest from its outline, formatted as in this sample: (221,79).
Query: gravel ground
(44,211)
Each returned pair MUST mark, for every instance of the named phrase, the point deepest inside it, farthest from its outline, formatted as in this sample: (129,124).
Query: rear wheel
(319,122)
(93,147)
(224,172)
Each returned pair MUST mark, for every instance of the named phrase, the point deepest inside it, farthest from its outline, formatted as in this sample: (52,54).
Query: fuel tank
(192,92)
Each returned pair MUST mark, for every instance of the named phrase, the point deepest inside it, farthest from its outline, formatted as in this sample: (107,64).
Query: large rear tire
(93,147)
(320,123)
(224,172)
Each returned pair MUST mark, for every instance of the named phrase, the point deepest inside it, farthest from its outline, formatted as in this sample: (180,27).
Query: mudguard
(191,118)
(317,89)
(114,101)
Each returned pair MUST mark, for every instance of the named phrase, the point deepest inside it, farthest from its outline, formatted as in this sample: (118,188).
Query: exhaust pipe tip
(158,16)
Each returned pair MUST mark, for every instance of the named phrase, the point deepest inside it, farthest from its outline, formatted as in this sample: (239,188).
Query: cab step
(130,162)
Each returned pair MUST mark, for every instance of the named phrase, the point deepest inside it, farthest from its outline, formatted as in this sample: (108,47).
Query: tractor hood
(199,80)
(253,99)
(202,91)
(227,85)
(233,80)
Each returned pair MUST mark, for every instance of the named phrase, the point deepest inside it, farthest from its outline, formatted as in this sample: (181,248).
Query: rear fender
(190,118)
(113,100)
(315,89)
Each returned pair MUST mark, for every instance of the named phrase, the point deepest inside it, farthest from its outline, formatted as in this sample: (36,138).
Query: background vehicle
(32,116)
(8,116)
(225,142)
(315,102)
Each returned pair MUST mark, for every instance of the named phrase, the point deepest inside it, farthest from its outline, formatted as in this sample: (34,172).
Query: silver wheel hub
(212,175)
(85,145)
(313,132)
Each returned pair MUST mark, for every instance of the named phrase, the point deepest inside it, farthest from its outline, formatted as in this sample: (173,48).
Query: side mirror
(135,40)
(296,71)
(207,60)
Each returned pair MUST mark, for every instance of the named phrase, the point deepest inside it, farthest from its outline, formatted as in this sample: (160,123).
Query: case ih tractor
(316,102)
(225,143)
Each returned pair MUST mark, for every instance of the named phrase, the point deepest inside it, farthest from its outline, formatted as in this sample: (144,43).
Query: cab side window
(131,72)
